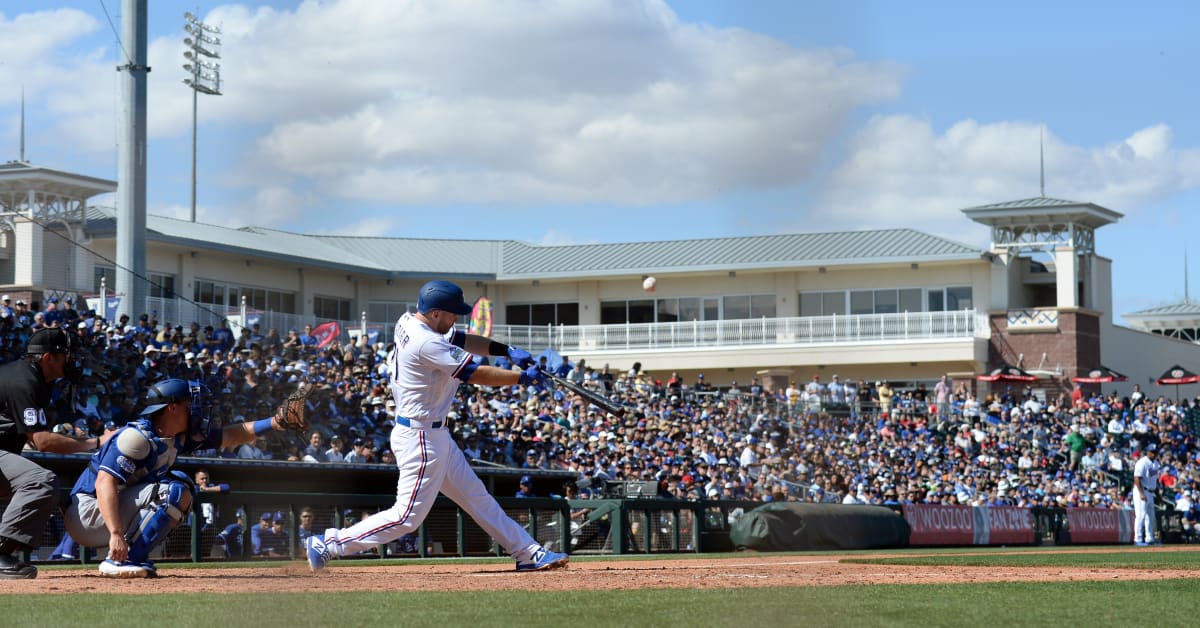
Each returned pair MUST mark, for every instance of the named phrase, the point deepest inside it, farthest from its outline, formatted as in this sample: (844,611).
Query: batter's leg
(466,489)
(420,458)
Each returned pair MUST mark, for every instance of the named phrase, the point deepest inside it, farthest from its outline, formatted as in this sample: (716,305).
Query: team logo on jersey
(30,416)
(457,354)
(126,464)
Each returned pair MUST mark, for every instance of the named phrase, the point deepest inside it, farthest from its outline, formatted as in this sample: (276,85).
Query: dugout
(635,523)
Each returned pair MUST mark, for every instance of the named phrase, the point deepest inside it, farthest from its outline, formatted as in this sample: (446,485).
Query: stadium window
(862,301)
(885,302)
(542,314)
(910,300)
(937,300)
(959,298)
(689,309)
(735,307)
(668,310)
(331,308)
(388,311)
(613,312)
(762,306)
(641,311)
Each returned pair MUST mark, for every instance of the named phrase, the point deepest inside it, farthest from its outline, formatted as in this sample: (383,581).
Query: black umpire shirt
(23,394)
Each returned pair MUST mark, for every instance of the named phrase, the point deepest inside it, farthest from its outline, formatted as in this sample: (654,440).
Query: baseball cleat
(124,569)
(1142,544)
(318,554)
(150,567)
(543,559)
(13,569)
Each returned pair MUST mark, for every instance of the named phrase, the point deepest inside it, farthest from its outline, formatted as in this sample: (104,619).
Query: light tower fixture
(204,73)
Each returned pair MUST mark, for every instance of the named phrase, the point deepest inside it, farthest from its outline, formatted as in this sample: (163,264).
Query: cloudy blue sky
(617,120)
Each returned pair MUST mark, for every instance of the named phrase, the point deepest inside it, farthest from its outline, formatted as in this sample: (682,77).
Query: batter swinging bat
(593,397)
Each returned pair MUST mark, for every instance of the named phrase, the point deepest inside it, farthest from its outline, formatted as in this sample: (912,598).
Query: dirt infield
(748,570)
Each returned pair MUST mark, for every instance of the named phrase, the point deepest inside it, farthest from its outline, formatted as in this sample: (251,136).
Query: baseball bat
(593,397)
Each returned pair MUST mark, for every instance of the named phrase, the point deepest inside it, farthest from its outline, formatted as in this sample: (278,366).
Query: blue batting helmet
(170,391)
(442,295)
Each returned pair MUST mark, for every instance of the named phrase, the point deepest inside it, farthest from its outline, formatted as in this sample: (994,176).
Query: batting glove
(520,357)
(533,376)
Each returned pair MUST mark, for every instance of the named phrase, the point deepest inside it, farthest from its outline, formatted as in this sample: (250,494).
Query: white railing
(963,324)
(801,330)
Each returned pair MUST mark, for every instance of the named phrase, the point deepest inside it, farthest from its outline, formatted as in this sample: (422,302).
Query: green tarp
(785,526)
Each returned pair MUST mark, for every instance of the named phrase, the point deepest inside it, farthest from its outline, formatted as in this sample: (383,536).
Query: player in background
(129,498)
(30,490)
(1145,482)
(430,359)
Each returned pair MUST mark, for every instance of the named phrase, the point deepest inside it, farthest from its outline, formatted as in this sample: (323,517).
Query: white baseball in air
(648,284)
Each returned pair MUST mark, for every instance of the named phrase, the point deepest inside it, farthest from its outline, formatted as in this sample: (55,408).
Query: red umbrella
(1102,375)
(1177,375)
(1007,374)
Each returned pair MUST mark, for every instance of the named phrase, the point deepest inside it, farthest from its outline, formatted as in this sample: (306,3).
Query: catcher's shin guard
(157,523)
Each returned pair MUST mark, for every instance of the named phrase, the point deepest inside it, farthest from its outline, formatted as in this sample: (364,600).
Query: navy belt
(406,422)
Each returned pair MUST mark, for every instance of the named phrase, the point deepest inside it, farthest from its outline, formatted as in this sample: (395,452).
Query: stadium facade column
(29,251)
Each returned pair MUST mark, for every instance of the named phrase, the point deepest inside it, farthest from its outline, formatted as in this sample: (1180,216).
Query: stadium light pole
(202,43)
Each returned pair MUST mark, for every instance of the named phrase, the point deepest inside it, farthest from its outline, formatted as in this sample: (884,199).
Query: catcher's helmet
(196,394)
(442,295)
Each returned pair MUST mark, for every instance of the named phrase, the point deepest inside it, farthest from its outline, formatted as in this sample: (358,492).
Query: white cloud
(453,102)
(900,171)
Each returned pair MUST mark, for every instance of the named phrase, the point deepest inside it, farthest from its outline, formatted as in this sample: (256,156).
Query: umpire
(30,490)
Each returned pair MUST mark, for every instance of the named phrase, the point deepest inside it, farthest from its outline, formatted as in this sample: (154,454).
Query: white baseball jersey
(1147,470)
(424,369)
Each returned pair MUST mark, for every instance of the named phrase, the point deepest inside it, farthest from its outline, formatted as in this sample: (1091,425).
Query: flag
(481,318)
(326,333)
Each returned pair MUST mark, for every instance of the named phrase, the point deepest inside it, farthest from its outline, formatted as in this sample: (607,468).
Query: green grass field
(1171,602)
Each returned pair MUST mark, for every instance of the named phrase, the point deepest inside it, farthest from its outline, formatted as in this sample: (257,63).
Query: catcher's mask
(169,391)
(55,340)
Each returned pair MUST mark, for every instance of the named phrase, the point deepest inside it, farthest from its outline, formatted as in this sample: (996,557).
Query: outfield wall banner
(1100,525)
(934,524)
(1004,525)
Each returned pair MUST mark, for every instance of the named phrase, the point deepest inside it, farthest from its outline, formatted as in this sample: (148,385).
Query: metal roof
(1188,308)
(786,250)
(1036,202)
(22,177)
(1042,211)
(509,259)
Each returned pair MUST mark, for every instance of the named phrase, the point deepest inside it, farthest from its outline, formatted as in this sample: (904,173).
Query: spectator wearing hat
(231,536)
(281,539)
(51,316)
(357,453)
(262,535)
(335,452)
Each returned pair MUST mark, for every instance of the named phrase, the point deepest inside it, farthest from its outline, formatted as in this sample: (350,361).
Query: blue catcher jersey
(135,455)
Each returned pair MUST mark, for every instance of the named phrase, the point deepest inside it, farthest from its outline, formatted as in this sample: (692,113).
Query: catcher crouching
(129,498)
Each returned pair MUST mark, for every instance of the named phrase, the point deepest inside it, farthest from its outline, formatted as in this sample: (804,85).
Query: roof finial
(1042,159)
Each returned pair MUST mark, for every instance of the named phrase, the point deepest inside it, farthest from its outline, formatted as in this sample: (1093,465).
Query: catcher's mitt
(292,414)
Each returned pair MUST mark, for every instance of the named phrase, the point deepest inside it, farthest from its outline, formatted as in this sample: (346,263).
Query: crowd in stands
(841,441)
